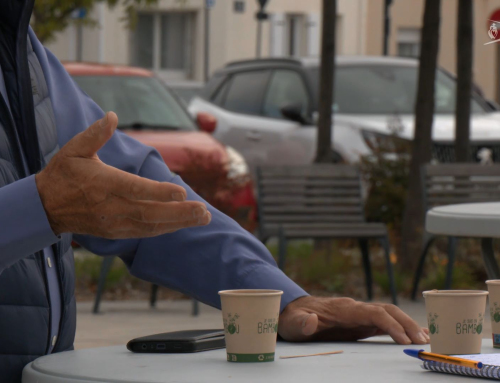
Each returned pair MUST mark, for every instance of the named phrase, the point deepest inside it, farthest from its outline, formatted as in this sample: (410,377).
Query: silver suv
(267,109)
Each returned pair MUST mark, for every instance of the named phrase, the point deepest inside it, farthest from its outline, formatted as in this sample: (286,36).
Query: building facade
(170,37)
(404,39)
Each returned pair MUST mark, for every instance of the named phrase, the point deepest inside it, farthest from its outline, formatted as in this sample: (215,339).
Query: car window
(246,91)
(137,100)
(286,88)
(220,95)
(207,92)
(358,90)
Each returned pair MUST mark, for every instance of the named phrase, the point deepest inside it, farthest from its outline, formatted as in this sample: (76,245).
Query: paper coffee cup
(494,290)
(456,320)
(250,320)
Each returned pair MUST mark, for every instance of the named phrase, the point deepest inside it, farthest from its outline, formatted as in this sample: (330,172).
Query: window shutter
(277,46)
(313,39)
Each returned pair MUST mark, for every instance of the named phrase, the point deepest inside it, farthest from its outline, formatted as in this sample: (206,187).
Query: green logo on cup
(433,326)
(267,326)
(230,325)
(495,313)
(470,326)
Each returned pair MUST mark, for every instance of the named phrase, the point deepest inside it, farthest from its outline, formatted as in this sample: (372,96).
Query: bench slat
(310,183)
(462,170)
(300,201)
(464,192)
(312,218)
(308,192)
(317,170)
(300,209)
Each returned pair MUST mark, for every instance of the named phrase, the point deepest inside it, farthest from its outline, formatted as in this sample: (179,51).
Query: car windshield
(186,94)
(139,102)
(384,89)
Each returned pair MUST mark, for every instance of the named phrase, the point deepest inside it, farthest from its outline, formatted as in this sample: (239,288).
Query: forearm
(201,261)
(24,228)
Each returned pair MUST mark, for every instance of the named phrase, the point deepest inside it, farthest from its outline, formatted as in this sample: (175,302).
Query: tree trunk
(324,151)
(464,80)
(413,218)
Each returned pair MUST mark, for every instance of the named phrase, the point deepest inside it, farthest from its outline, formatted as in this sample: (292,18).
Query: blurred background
(223,87)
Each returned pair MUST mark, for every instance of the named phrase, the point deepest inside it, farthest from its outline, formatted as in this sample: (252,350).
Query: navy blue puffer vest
(24,303)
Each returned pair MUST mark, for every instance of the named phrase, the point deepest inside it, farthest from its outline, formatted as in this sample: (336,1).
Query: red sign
(495,16)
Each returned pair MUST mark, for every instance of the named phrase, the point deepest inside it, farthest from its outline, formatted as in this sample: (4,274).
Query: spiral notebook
(490,370)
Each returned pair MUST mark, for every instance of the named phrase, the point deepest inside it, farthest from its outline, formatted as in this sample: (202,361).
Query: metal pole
(79,41)
(387,26)
(326,78)
(207,43)
(259,38)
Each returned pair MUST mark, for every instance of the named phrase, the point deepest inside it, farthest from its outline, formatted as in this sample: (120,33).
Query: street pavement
(120,321)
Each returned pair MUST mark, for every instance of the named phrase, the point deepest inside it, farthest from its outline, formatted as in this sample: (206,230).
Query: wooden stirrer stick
(303,356)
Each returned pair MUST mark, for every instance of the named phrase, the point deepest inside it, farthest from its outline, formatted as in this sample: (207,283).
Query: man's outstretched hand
(344,319)
(82,195)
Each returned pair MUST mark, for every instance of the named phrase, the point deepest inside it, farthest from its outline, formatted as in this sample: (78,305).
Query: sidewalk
(121,321)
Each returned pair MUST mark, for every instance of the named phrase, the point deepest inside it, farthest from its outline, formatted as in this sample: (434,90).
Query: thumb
(297,325)
(88,142)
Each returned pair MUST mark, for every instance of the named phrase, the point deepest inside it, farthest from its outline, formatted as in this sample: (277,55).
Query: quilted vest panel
(24,305)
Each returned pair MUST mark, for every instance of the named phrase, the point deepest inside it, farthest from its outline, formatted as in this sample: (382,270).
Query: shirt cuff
(266,276)
(25,228)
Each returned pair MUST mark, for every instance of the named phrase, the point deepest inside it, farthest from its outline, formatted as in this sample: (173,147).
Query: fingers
(378,316)
(134,229)
(412,329)
(88,142)
(297,325)
(135,187)
(161,212)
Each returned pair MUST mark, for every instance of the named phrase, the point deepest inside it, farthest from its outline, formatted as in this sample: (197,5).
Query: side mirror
(493,105)
(206,122)
(293,112)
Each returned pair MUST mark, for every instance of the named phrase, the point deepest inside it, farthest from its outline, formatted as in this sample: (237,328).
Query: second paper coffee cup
(250,319)
(456,320)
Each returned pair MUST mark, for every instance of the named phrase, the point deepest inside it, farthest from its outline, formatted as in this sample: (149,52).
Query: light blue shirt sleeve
(197,261)
(24,225)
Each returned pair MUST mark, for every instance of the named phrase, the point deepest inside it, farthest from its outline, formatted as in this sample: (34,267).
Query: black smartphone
(179,341)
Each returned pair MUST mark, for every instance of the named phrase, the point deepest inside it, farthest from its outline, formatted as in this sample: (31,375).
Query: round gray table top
(377,360)
(480,220)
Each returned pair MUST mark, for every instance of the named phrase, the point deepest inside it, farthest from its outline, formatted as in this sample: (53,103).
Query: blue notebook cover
(490,370)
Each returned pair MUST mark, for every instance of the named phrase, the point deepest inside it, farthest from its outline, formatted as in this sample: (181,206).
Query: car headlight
(236,164)
(385,143)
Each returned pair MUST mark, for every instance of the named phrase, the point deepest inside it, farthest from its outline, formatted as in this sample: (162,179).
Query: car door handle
(253,136)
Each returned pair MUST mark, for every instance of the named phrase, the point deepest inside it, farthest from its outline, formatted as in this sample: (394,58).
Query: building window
(163,42)
(294,36)
(239,6)
(408,42)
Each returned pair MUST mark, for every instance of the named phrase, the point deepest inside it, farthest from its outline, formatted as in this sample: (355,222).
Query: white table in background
(474,220)
(378,361)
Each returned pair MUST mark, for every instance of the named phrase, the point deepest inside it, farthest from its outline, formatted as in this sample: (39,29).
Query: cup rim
(493,282)
(455,293)
(251,293)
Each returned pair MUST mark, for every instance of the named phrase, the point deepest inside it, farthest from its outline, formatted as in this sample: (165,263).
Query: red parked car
(149,112)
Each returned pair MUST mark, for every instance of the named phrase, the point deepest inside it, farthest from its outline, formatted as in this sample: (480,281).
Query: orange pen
(421,354)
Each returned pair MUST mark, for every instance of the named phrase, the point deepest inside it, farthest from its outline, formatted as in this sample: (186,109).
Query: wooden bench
(447,184)
(321,201)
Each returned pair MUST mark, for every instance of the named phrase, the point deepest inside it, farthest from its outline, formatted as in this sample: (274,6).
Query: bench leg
(196,308)
(365,253)
(428,240)
(390,273)
(153,296)
(106,264)
(452,247)
(491,264)
(281,250)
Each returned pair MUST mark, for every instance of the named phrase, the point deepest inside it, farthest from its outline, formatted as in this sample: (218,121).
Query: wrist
(45,197)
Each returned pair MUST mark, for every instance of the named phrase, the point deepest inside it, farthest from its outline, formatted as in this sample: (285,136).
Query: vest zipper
(57,249)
